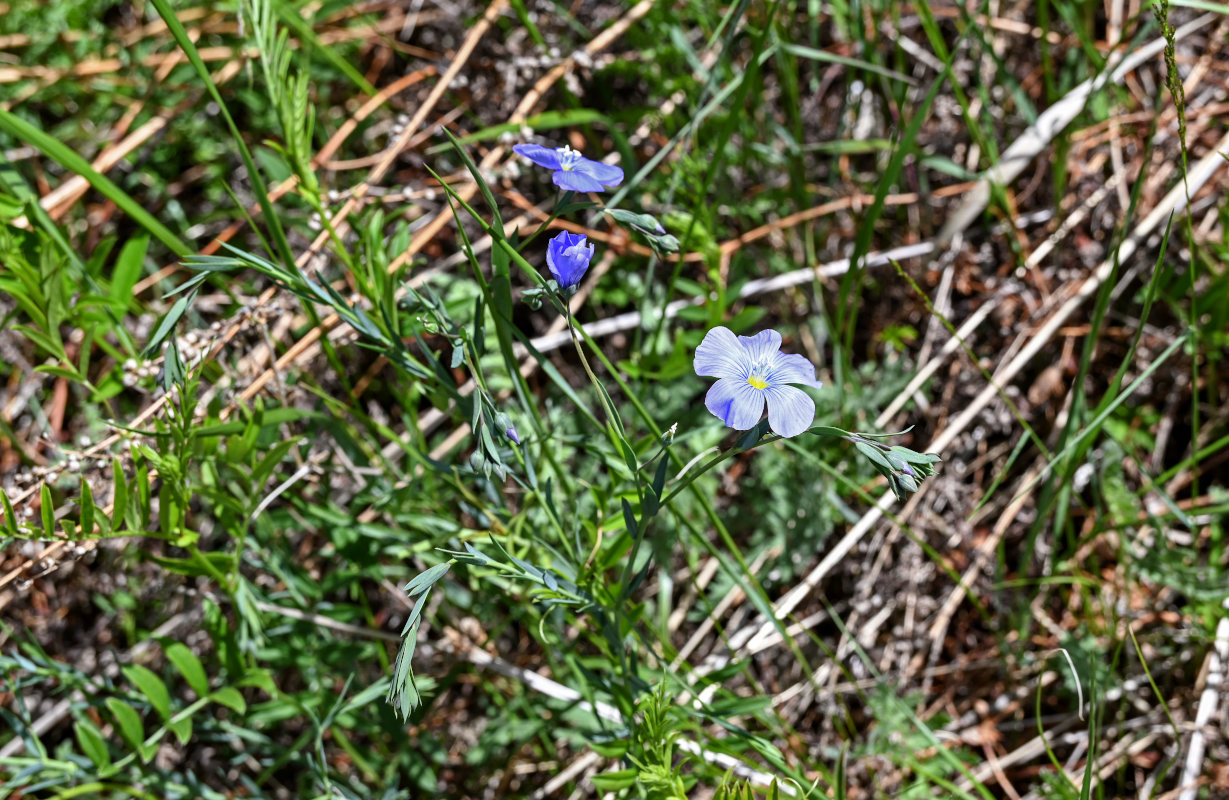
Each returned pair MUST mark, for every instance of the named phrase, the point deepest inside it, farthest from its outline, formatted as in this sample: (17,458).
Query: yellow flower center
(759,375)
(567,158)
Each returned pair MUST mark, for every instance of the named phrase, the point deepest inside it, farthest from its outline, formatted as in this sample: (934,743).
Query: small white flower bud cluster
(398,127)
(513,167)
(572,82)
(74,463)
(135,372)
(194,346)
(527,66)
(144,326)
(510,169)
(652,122)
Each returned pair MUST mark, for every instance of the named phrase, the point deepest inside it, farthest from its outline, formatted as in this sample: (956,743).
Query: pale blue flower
(752,371)
(572,170)
(568,256)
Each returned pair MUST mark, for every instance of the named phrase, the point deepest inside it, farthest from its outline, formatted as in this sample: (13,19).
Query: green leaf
(128,271)
(50,343)
(87,508)
(128,722)
(198,565)
(259,679)
(402,692)
(614,748)
(545,121)
(189,666)
(231,698)
(294,19)
(92,743)
(739,706)
(629,518)
(10,516)
(825,430)
(167,324)
(119,505)
(271,417)
(427,578)
(181,728)
(497,226)
(914,457)
(659,478)
(876,457)
(832,58)
(264,468)
(151,686)
(48,511)
(68,373)
(615,781)
(281,245)
(17,127)
(650,505)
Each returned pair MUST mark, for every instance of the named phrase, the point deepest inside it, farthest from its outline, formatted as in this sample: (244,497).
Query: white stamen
(567,157)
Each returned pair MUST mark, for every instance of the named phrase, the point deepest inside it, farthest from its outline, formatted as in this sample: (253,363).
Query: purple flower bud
(511,432)
(568,256)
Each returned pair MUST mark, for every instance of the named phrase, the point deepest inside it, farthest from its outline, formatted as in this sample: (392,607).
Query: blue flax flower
(568,256)
(752,370)
(573,171)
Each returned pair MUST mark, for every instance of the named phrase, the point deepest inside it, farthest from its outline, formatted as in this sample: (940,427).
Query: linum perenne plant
(575,576)
(601,516)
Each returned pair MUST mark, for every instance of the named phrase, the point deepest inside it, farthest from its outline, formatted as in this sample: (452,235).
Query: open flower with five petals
(753,371)
(572,171)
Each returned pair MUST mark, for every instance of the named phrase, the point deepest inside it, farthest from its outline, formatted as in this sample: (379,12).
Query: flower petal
(605,174)
(791,368)
(721,356)
(790,411)
(542,156)
(576,181)
(761,346)
(736,403)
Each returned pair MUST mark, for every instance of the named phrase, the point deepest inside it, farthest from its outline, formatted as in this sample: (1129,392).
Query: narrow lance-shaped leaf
(48,511)
(189,666)
(87,508)
(92,742)
(10,516)
(151,686)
